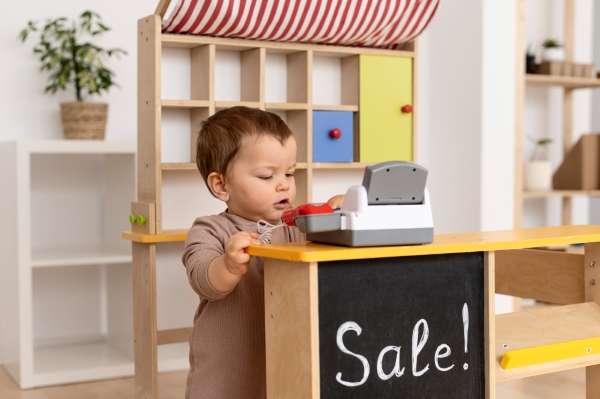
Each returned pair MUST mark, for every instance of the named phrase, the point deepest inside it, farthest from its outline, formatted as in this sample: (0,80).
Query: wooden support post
(489,324)
(144,321)
(592,293)
(292,324)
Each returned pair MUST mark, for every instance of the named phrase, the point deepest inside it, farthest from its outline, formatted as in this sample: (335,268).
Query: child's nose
(282,185)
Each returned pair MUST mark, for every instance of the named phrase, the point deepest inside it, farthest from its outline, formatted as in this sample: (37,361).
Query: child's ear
(216,183)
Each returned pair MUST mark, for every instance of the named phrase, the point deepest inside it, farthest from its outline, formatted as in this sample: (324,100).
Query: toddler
(247,158)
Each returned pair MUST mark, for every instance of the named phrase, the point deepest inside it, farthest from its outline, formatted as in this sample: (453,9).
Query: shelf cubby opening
(286,77)
(185,188)
(335,80)
(237,74)
(79,206)
(297,120)
(82,330)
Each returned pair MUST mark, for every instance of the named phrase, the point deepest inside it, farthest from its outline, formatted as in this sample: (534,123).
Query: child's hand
(336,201)
(236,259)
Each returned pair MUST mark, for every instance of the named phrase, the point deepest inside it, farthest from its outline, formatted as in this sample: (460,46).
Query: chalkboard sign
(409,327)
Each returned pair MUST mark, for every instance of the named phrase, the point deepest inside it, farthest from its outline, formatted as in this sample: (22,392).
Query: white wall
(449,124)
(26,111)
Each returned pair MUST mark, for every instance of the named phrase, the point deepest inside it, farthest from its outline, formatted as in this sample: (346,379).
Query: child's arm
(204,257)
(226,271)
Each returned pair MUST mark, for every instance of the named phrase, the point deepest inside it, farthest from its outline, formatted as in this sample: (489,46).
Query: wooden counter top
(442,244)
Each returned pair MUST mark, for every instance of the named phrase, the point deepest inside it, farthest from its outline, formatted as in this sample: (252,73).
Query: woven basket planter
(83,120)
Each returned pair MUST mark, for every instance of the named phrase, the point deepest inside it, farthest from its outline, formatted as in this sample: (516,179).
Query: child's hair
(220,136)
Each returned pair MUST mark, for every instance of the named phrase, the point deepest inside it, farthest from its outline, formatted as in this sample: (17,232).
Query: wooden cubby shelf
(190,166)
(185,104)
(335,107)
(567,82)
(340,165)
(560,193)
(309,86)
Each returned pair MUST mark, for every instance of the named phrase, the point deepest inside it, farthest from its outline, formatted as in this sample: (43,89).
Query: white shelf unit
(65,275)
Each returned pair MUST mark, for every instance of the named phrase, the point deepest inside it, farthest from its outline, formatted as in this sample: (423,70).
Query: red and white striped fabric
(368,23)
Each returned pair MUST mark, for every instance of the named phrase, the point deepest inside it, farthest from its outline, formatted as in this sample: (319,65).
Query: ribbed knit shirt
(227,346)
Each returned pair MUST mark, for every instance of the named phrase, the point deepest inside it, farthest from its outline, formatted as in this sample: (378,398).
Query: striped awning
(367,23)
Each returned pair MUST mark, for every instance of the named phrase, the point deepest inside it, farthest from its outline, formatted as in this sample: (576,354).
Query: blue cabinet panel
(326,148)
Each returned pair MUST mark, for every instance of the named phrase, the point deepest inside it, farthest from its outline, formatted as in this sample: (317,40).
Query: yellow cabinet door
(386,99)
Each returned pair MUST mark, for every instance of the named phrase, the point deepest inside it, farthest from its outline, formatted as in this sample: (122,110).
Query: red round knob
(335,133)
(407,109)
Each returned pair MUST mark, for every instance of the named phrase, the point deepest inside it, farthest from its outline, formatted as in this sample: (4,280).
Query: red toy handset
(289,216)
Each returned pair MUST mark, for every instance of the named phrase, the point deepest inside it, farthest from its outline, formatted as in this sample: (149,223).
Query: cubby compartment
(179,130)
(286,78)
(81,323)
(184,198)
(298,122)
(79,206)
(193,72)
(238,74)
(333,136)
(335,79)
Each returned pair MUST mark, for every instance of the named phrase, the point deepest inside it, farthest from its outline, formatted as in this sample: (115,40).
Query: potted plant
(552,51)
(530,65)
(67,52)
(538,171)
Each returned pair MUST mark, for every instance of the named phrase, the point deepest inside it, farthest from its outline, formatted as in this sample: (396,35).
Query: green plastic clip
(141,219)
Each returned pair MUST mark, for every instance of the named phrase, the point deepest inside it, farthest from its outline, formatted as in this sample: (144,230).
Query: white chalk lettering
(418,342)
(439,355)
(396,371)
(351,326)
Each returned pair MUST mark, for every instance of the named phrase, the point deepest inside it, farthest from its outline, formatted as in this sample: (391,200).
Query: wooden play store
(396,321)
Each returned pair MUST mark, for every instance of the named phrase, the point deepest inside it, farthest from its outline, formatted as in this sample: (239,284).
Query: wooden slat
(568,82)
(340,165)
(561,193)
(489,324)
(519,135)
(286,106)
(190,41)
(169,166)
(592,293)
(292,321)
(549,276)
(161,8)
(173,336)
(149,114)
(546,326)
(144,321)
(185,104)
(335,107)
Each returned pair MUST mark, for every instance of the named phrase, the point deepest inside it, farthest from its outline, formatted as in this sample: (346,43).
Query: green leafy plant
(539,145)
(67,52)
(551,43)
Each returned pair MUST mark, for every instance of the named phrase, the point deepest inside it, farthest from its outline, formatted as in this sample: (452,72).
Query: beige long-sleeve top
(227,346)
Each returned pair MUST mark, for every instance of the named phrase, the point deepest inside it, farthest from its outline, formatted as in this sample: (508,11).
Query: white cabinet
(65,272)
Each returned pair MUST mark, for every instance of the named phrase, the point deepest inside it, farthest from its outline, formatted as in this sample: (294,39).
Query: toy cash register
(390,207)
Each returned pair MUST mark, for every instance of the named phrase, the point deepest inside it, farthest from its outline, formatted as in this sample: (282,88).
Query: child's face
(260,180)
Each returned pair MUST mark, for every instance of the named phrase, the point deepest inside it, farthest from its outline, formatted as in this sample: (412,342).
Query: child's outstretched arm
(204,256)
(226,271)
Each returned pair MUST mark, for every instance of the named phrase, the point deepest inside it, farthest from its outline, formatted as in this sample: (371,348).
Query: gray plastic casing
(382,183)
